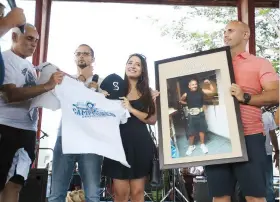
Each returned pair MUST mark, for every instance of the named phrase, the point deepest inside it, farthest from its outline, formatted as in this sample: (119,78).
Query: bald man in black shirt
(194,99)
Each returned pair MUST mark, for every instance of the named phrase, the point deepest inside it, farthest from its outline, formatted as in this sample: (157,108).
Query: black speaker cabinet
(35,187)
(200,191)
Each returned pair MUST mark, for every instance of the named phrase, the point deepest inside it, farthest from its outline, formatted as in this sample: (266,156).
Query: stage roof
(258,3)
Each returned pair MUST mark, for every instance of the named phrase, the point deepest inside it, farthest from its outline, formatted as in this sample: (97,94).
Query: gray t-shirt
(20,72)
(269,125)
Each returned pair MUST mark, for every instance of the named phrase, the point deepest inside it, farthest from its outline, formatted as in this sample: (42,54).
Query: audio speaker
(35,187)
(200,191)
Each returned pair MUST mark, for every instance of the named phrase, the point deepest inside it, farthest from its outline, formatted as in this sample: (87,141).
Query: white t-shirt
(49,100)
(20,72)
(269,125)
(90,122)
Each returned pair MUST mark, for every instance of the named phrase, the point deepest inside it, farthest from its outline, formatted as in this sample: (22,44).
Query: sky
(114,31)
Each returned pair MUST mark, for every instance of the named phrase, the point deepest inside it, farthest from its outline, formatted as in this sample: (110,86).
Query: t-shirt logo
(116,85)
(30,80)
(89,110)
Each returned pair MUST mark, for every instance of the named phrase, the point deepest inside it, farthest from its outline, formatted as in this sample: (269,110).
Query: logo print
(116,85)
(89,110)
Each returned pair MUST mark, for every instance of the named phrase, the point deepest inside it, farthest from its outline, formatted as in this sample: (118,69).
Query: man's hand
(16,17)
(237,92)
(93,85)
(55,79)
(276,159)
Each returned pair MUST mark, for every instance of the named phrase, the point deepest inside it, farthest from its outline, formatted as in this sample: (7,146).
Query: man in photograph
(194,99)
(257,85)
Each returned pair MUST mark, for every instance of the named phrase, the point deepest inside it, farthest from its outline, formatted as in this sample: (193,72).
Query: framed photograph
(198,120)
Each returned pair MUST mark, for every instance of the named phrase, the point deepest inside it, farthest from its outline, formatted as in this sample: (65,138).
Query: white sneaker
(204,148)
(190,150)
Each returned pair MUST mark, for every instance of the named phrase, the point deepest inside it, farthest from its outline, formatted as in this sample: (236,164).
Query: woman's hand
(126,104)
(154,94)
(104,92)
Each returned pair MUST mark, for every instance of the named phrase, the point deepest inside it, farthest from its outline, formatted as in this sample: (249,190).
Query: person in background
(270,144)
(276,117)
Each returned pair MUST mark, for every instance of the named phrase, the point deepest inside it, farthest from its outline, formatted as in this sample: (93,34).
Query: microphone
(12,4)
(94,79)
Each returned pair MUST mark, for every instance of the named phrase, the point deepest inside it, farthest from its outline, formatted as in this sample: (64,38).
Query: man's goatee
(82,66)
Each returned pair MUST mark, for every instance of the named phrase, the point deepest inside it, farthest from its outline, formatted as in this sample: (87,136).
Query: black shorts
(197,123)
(12,139)
(250,174)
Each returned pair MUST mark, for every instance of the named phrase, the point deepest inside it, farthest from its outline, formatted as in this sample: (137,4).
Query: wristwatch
(247,98)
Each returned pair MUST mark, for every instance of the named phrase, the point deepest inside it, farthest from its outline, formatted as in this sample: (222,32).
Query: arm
(274,140)
(269,81)
(14,18)
(5,26)
(270,84)
(211,89)
(269,96)
(183,98)
(142,116)
(15,94)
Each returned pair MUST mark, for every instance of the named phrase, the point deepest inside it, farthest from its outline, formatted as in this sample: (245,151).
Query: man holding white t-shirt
(17,129)
(89,164)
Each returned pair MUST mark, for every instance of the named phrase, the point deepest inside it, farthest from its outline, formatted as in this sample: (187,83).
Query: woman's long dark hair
(142,86)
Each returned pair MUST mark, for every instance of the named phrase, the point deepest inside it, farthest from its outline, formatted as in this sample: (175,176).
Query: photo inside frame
(196,133)
(199,120)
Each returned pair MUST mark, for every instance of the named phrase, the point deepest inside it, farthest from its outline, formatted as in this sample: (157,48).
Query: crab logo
(89,110)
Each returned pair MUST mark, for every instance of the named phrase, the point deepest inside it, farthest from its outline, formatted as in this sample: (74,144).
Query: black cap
(114,85)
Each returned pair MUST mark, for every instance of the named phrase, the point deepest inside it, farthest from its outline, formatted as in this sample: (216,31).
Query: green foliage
(266,23)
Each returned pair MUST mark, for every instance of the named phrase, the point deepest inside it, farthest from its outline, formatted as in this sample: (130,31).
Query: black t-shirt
(195,99)
(114,85)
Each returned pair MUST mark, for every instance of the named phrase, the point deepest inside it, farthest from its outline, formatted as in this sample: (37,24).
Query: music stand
(174,189)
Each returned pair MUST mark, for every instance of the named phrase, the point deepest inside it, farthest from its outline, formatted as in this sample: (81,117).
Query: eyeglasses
(82,53)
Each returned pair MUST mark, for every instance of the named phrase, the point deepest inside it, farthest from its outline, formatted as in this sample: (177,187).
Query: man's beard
(82,66)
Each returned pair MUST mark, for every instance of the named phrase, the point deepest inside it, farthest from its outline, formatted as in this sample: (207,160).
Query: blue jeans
(62,170)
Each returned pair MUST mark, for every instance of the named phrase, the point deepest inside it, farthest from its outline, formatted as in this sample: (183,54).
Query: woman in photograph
(129,183)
